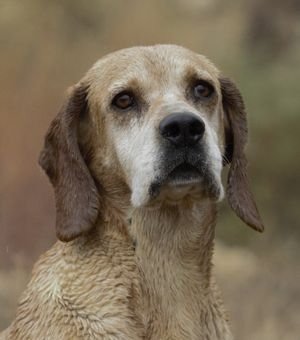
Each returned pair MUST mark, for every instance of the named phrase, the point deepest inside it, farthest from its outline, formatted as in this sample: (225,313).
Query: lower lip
(184,182)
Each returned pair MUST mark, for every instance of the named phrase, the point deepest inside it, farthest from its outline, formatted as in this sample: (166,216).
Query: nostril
(196,129)
(172,130)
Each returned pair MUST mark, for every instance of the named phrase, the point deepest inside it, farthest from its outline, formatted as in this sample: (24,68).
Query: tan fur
(126,272)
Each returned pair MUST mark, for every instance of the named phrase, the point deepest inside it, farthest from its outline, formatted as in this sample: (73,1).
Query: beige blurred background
(48,45)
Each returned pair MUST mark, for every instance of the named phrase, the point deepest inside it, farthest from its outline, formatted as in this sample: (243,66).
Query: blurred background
(48,45)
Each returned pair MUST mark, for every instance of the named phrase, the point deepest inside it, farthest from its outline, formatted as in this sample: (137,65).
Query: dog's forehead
(155,64)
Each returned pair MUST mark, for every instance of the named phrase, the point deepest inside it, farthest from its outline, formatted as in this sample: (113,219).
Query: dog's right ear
(76,195)
(239,195)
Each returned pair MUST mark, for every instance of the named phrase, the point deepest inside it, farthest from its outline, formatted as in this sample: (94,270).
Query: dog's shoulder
(80,289)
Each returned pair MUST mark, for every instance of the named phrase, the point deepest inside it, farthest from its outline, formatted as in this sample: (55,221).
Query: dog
(135,157)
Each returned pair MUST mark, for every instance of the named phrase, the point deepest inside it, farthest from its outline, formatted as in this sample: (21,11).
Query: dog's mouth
(184,174)
(189,175)
(179,175)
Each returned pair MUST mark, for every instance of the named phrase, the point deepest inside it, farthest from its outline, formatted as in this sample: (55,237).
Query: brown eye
(203,89)
(123,100)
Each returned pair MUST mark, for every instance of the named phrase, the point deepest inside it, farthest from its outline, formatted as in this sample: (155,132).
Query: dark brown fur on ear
(239,194)
(76,195)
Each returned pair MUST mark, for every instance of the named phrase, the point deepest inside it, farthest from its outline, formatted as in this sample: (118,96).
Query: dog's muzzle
(183,163)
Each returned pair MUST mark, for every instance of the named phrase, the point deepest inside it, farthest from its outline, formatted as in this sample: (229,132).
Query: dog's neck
(173,252)
(172,242)
(174,246)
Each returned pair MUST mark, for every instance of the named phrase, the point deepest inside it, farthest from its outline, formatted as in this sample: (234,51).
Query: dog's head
(161,122)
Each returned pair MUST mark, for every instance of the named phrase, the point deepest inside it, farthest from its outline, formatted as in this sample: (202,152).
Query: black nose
(182,129)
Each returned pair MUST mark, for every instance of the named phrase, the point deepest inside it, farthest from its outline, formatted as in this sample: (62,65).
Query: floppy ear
(239,195)
(76,196)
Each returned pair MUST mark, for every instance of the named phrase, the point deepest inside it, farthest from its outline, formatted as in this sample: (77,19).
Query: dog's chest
(184,321)
(170,311)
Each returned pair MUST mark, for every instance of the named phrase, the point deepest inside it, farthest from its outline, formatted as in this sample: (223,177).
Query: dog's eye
(123,100)
(202,89)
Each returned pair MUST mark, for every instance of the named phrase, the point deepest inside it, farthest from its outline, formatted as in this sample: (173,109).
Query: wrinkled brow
(192,73)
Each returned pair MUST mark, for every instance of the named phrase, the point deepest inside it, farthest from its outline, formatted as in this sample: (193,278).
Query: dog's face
(162,112)
(159,119)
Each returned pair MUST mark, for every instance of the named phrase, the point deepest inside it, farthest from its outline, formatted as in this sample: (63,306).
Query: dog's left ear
(76,195)
(239,195)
